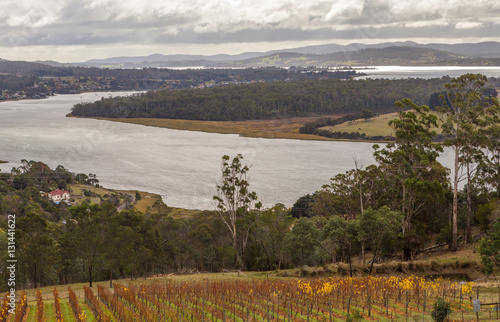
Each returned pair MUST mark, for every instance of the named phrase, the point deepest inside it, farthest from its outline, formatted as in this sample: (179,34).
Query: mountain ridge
(480,50)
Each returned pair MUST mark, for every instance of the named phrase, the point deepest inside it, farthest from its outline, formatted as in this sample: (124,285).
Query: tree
(489,249)
(414,176)
(367,114)
(460,125)
(301,242)
(302,207)
(235,203)
(388,226)
(37,249)
(490,165)
(272,226)
(342,234)
(87,234)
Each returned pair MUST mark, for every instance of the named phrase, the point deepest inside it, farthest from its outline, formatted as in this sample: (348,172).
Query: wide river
(181,166)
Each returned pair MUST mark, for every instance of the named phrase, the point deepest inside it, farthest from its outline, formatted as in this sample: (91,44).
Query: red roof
(58,192)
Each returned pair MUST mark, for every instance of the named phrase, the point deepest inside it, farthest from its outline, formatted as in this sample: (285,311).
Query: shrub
(440,310)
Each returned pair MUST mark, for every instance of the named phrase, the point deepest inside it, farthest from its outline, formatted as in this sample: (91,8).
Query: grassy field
(276,129)
(77,192)
(147,199)
(377,126)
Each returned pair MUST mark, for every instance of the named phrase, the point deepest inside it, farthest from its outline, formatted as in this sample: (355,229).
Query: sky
(79,30)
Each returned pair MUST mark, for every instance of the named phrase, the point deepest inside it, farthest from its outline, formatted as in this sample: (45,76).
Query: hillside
(396,55)
(470,51)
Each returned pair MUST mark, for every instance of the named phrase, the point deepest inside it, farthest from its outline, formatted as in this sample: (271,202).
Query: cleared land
(94,195)
(377,126)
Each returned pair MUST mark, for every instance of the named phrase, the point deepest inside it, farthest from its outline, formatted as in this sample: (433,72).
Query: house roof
(58,192)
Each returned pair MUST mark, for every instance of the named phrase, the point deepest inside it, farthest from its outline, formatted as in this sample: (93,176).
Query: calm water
(427,72)
(180,165)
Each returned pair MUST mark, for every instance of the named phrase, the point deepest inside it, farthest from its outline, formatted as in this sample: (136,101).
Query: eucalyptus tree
(462,128)
(413,176)
(490,166)
(236,204)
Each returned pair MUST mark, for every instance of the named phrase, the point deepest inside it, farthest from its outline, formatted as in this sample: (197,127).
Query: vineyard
(326,299)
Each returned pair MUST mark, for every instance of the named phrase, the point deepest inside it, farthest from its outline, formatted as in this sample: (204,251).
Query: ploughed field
(319,299)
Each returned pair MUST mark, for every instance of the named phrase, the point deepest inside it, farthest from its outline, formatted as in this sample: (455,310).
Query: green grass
(50,310)
(32,312)
(77,193)
(377,126)
(67,312)
(179,213)
(147,199)
(88,313)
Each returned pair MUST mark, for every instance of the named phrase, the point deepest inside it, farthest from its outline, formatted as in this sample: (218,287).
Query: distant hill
(483,49)
(368,56)
(335,55)
(388,53)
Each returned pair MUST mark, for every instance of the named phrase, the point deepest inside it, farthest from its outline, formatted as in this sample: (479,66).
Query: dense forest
(407,194)
(281,99)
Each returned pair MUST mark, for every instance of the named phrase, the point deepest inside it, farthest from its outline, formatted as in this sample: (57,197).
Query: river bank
(266,129)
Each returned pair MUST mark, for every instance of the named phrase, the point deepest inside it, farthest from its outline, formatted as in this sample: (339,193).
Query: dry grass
(377,126)
(276,129)
(181,213)
(147,199)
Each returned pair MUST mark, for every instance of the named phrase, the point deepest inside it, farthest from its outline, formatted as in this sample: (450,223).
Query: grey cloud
(78,23)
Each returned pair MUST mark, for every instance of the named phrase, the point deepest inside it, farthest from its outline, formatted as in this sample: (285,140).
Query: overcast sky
(78,30)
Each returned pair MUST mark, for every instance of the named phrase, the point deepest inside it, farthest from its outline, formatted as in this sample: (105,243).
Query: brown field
(276,129)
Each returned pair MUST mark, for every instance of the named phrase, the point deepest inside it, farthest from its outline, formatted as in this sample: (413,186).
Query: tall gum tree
(412,172)
(235,204)
(461,112)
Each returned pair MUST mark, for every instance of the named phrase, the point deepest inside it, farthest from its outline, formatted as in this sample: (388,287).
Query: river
(181,166)
(395,72)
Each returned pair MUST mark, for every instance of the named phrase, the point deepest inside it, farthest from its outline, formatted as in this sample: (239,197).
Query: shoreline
(266,129)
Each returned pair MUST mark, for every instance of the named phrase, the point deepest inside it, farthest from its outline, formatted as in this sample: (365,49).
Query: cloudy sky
(78,30)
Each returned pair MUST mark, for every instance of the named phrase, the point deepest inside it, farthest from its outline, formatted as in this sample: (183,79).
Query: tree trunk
(110,278)
(454,231)
(350,261)
(498,182)
(373,261)
(468,230)
(363,257)
(90,275)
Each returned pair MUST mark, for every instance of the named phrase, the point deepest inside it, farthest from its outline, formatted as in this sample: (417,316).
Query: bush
(355,316)
(440,310)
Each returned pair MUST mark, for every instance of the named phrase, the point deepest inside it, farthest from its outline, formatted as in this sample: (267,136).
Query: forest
(20,75)
(406,193)
(280,99)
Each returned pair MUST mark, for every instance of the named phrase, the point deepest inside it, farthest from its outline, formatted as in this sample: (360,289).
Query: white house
(58,195)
